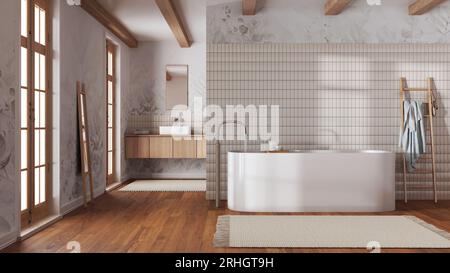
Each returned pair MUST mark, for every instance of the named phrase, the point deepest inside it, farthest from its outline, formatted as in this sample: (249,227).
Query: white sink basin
(175,130)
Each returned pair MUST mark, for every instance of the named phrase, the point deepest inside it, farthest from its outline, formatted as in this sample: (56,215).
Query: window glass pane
(110,163)
(36,24)
(37,65)
(37,109)
(110,116)
(110,92)
(24,108)
(42,72)
(37,140)
(42,27)
(24,18)
(24,67)
(110,63)
(42,185)
(110,109)
(42,147)
(36,186)
(37,76)
(24,190)
(110,139)
(23,149)
(42,109)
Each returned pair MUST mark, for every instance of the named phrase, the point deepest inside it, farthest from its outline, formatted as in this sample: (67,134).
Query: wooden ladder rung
(410,89)
(420,177)
(421,171)
(420,187)
(425,161)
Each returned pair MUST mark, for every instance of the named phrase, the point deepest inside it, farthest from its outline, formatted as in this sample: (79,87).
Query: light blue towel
(412,139)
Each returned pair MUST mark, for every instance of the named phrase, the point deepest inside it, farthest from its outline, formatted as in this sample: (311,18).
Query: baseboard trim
(27,233)
(117,185)
(8,239)
(181,176)
(77,203)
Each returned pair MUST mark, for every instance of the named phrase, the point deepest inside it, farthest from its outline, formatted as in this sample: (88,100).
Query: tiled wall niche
(153,122)
(149,122)
(331,96)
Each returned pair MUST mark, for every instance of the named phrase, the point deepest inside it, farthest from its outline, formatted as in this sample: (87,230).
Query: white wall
(9,119)
(148,74)
(83,58)
(122,96)
(293,21)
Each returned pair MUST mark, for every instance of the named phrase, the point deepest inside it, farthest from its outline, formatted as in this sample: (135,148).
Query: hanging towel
(412,139)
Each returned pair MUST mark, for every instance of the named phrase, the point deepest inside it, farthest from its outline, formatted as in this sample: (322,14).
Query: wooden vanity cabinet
(184,148)
(137,147)
(161,147)
(142,147)
(201,148)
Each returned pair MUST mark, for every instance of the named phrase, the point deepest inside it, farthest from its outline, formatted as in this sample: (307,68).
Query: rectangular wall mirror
(176,85)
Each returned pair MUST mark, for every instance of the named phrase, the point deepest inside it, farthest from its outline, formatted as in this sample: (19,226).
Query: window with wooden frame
(35,108)
(110,110)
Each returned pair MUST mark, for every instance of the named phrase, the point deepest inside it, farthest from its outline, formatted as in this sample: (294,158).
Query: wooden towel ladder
(86,171)
(429,89)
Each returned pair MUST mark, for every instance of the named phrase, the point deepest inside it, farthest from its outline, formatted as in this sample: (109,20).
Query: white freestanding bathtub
(312,181)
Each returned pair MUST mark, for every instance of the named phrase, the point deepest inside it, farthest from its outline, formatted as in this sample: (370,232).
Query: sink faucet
(179,120)
(217,144)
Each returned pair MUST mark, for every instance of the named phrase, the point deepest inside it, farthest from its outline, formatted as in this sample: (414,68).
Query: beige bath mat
(328,232)
(166,186)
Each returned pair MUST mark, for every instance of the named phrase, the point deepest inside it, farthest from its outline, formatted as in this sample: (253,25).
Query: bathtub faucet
(235,122)
(217,144)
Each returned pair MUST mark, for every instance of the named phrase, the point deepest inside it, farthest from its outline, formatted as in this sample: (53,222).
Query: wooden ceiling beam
(173,20)
(249,7)
(335,7)
(422,6)
(109,21)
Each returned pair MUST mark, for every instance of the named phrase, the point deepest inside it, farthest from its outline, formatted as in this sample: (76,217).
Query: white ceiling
(144,20)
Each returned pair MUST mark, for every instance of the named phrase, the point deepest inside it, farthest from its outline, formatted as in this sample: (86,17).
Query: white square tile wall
(331,96)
